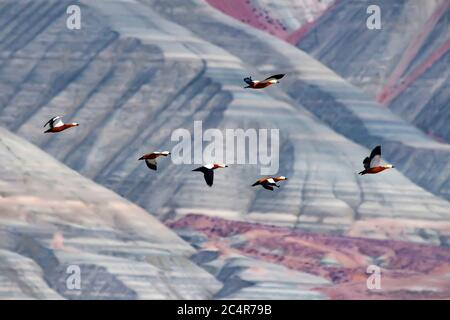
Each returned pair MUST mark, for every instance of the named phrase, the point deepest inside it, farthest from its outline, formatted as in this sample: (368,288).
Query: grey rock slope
(136,71)
(314,87)
(52,218)
(404,65)
(246,277)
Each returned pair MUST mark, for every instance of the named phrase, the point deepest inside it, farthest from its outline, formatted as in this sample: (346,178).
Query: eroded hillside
(404,65)
(136,71)
(51,218)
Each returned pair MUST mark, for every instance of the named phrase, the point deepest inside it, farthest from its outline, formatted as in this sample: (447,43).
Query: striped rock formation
(54,221)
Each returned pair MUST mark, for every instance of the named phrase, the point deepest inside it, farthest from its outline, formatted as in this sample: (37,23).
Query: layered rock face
(54,223)
(404,65)
(256,260)
(312,86)
(316,150)
(137,71)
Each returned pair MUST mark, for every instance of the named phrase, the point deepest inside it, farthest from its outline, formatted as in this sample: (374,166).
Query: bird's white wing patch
(375,161)
(58,122)
(270,180)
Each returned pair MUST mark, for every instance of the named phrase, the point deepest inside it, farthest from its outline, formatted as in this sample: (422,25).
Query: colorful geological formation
(244,11)
(404,73)
(53,219)
(402,68)
(287,21)
(409,271)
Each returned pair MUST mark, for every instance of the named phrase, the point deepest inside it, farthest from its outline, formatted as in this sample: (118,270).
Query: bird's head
(281,178)
(220,165)
(74,124)
(165,153)
(388,166)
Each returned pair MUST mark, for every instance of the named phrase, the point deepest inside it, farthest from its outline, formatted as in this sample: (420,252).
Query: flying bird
(208,171)
(150,158)
(57,125)
(269,182)
(257,84)
(372,163)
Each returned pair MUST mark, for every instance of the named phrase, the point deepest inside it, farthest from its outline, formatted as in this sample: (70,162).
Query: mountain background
(139,69)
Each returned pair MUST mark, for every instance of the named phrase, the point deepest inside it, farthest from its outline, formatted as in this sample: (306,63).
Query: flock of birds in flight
(372,163)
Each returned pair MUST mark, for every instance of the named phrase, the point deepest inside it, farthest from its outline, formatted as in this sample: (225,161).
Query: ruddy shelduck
(257,84)
(372,163)
(57,125)
(150,158)
(269,182)
(208,171)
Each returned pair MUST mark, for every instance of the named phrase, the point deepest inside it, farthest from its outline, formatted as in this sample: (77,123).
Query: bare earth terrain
(139,69)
